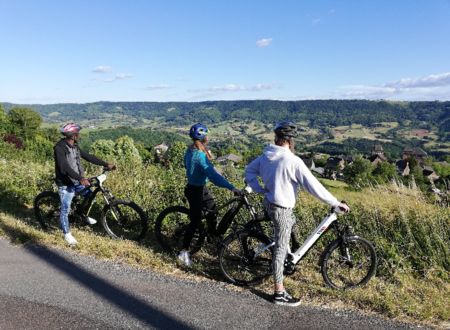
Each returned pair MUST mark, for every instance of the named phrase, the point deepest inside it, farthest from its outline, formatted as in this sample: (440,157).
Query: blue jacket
(199,169)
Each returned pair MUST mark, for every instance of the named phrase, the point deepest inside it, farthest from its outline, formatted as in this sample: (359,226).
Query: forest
(318,113)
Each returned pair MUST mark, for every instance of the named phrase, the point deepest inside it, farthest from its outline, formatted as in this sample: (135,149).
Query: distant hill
(318,113)
(330,126)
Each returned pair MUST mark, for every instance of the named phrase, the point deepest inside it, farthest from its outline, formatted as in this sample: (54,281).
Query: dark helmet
(70,129)
(286,130)
(198,131)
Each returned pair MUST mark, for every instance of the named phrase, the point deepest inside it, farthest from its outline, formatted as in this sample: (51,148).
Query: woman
(197,161)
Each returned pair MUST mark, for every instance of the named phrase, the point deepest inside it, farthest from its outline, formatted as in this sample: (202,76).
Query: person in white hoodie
(282,173)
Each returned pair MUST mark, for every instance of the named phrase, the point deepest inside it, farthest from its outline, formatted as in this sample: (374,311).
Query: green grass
(411,236)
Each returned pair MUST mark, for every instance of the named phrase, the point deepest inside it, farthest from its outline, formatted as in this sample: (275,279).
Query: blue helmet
(198,131)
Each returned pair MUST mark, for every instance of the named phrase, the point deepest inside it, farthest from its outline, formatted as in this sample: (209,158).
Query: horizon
(200,51)
(236,100)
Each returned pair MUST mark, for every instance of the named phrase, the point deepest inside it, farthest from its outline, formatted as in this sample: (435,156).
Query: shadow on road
(115,295)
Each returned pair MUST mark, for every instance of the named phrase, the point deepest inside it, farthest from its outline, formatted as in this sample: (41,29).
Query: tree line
(318,113)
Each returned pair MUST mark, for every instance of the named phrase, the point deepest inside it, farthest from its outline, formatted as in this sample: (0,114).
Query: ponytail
(200,146)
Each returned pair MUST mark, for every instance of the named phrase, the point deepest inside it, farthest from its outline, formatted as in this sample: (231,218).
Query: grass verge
(404,297)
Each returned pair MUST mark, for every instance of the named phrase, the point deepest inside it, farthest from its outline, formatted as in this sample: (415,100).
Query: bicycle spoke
(349,264)
(124,220)
(241,264)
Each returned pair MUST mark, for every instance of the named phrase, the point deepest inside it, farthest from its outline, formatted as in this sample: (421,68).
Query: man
(282,173)
(70,174)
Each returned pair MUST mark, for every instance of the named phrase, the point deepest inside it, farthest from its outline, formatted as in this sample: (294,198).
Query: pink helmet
(70,129)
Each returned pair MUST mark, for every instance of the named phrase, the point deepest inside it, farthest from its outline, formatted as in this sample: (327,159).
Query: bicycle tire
(123,219)
(46,208)
(237,258)
(170,227)
(336,267)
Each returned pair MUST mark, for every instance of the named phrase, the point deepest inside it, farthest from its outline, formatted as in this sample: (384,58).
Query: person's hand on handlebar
(85,182)
(344,207)
(237,192)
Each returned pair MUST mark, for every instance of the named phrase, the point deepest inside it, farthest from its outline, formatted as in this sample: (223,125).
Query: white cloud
(431,87)
(261,43)
(433,80)
(122,76)
(102,69)
(237,88)
(119,76)
(366,92)
(316,21)
(157,87)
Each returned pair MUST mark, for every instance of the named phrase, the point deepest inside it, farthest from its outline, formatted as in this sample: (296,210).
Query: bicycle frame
(295,257)
(320,229)
(222,226)
(98,188)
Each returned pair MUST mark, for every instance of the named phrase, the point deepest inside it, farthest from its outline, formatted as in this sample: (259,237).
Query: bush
(13,140)
(358,173)
(22,181)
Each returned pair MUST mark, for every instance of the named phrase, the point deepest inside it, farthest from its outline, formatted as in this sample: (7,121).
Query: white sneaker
(70,239)
(184,258)
(90,221)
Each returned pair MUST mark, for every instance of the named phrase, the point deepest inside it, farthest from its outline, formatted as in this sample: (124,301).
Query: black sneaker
(284,298)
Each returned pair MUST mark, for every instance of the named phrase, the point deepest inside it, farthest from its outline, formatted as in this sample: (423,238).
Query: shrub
(14,140)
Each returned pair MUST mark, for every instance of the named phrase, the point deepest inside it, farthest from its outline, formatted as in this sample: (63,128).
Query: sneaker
(90,221)
(70,239)
(184,258)
(284,298)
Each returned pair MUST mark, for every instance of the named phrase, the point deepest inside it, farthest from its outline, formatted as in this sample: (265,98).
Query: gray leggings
(283,220)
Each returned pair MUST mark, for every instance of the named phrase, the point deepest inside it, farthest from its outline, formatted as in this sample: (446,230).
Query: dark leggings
(199,198)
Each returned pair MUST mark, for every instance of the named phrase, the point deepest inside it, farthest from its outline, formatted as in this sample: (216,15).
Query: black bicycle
(347,262)
(121,219)
(172,222)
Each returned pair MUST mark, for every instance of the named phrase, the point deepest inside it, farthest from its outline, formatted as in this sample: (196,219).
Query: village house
(161,149)
(377,155)
(229,159)
(402,167)
(429,173)
(418,153)
(333,167)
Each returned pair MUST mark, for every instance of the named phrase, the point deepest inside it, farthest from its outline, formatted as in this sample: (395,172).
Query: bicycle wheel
(170,227)
(349,263)
(47,209)
(246,257)
(124,220)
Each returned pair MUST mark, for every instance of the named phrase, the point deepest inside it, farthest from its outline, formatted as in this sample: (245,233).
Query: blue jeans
(66,194)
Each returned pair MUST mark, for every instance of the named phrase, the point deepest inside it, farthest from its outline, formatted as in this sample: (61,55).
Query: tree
(175,154)
(126,151)
(25,121)
(385,172)
(103,148)
(122,150)
(358,173)
(4,122)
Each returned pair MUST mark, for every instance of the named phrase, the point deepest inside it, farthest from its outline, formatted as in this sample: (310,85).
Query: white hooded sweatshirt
(283,173)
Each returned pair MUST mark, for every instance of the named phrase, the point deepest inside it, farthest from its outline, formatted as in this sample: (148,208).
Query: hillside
(317,113)
(336,126)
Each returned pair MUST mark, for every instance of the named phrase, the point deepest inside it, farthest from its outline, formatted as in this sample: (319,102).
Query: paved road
(43,288)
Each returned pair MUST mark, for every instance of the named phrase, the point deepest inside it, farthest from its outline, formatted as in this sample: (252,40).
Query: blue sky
(86,51)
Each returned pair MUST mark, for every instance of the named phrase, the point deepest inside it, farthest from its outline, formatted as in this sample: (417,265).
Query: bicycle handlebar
(338,209)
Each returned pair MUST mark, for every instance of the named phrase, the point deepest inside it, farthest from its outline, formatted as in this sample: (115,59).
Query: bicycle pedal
(289,268)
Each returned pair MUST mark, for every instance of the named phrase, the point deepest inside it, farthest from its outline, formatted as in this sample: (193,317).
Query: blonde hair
(200,146)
